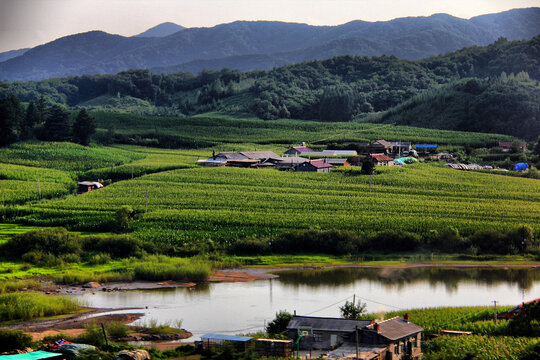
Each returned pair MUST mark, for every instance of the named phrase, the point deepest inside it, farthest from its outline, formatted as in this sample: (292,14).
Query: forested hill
(342,88)
(264,44)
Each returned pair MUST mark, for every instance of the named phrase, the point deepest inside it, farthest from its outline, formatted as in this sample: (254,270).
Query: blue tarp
(426,146)
(35,355)
(521,167)
(225,337)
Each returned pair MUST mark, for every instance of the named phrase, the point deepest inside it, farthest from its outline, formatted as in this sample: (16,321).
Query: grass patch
(163,268)
(31,305)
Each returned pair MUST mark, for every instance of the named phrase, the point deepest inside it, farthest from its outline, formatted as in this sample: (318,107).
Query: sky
(27,23)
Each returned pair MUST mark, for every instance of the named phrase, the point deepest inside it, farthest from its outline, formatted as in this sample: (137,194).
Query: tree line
(43,122)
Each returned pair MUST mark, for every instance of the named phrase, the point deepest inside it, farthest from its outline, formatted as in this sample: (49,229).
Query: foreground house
(391,339)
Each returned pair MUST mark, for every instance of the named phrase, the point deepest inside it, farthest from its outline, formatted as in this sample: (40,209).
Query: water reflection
(399,278)
(244,307)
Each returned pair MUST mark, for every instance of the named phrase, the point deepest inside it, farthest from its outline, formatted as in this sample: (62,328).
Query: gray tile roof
(326,324)
(260,155)
(231,155)
(396,328)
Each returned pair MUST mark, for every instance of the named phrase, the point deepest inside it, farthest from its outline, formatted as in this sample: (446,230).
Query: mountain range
(248,45)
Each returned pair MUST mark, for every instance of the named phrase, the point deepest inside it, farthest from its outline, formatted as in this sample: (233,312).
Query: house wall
(321,340)
(405,349)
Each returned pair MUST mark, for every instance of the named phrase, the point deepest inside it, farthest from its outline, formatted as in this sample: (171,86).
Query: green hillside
(338,89)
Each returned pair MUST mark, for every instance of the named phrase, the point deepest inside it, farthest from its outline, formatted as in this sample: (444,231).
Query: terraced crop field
(226,204)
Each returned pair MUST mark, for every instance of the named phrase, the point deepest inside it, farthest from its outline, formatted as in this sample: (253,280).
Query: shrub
(117,246)
(116,329)
(14,340)
(395,240)
(334,242)
(55,241)
(123,216)
(489,241)
(251,246)
(279,324)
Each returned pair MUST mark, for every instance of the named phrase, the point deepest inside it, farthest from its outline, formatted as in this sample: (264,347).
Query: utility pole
(132,171)
(39,189)
(353,299)
(495,312)
(356,331)
(146,202)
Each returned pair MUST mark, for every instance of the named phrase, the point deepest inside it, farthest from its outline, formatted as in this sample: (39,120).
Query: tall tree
(42,109)
(337,104)
(31,118)
(57,127)
(83,128)
(11,113)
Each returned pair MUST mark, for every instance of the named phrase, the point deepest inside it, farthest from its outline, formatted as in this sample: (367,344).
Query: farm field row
(226,204)
(217,128)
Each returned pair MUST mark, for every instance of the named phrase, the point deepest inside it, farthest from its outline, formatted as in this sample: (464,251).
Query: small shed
(87,186)
(211,341)
(338,162)
(274,347)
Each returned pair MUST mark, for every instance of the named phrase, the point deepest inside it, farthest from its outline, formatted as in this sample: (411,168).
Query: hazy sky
(27,23)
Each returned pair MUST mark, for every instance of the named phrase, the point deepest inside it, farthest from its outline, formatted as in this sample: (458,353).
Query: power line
(326,307)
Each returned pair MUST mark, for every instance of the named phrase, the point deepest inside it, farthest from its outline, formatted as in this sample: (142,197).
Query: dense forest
(486,86)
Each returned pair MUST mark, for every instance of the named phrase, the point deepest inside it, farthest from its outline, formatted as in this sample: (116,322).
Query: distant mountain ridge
(11,54)
(161,30)
(249,45)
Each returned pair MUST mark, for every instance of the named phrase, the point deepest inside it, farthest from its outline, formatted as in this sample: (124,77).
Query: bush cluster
(337,242)
(55,246)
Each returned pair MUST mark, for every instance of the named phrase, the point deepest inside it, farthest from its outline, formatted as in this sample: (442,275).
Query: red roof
(381,157)
(320,164)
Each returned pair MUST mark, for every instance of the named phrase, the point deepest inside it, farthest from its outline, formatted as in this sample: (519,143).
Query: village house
(87,186)
(319,165)
(255,159)
(298,150)
(340,152)
(508,145)
(392,339)
(401,147)
(380,147)
(288,163)
(357,160)
(382,160)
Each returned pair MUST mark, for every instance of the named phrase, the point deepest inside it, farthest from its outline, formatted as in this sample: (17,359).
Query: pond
(245,307)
